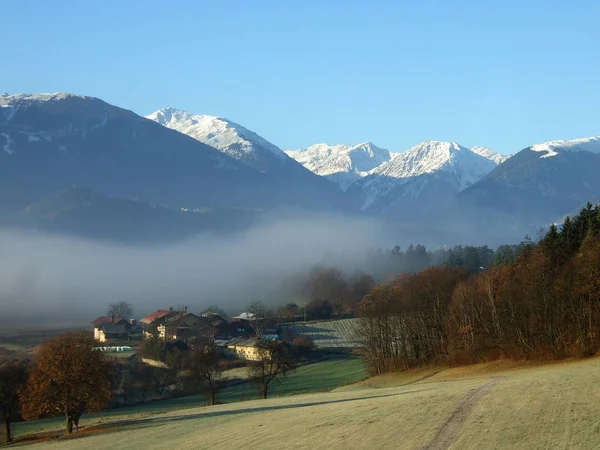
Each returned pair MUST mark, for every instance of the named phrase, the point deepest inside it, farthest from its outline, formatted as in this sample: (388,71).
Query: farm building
(172,325)
(244,348)
(107,328)
(182,326)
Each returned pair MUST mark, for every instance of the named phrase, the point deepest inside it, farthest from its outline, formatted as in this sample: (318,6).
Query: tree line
(543,303)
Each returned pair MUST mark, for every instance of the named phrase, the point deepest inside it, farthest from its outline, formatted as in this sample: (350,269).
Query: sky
(503,74)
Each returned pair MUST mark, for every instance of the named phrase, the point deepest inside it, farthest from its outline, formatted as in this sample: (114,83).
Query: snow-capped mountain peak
(432,156)
(409,173)
(342,164)
(553,148)
(490,154)
(223,134)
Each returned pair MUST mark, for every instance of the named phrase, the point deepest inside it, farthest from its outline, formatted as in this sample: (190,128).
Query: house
(181,326)
(106,328)
(152,321)
(243,316)
(111,331)
(172,325)
(244,348)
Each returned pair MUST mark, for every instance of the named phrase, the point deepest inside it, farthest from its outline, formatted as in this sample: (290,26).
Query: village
(237,336)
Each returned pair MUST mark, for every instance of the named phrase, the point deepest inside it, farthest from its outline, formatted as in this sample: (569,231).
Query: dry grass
(494,405)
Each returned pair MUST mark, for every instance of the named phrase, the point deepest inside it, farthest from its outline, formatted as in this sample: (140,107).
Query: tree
(289,311)
(122,309)
(162,378)
(13,374)
(275,360)
(329,284)
(68,377)
(261,317)
(205,368)
(360,286)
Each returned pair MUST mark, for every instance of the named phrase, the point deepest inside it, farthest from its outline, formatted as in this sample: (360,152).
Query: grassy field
(315,377)
(26,339)
(491,406)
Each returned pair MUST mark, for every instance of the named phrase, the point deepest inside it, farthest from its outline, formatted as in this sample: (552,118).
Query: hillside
(244,145)
(541,183)
(82,212)
(483,406)
(52,142)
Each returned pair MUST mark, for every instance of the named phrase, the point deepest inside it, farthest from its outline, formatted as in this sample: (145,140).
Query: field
(26,339)
(328,333)
(316,377)
(489,406)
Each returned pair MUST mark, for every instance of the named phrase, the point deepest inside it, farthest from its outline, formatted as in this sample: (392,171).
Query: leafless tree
(121,309)
(275,360)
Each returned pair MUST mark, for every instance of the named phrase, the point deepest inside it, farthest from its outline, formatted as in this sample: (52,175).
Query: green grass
(315,377)
(492,406)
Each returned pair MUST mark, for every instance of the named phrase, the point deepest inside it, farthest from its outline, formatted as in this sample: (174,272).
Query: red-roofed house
(151,322)
(155,316)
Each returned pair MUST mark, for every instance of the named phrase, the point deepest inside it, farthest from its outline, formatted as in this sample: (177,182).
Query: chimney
(112,318)
(170,308)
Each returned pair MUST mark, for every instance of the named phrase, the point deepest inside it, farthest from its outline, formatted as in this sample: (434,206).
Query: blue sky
(503,74)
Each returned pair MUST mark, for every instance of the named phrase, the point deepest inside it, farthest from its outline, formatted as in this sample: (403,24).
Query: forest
(533,301)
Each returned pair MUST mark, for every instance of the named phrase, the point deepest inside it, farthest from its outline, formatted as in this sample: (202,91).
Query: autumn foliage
(545,304)
(68,378)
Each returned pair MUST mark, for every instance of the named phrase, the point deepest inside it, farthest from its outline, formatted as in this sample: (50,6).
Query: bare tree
(205,368)
(260,317)
(275,360)
(121,309)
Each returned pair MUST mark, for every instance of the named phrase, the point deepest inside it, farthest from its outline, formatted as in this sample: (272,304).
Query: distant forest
(330,292)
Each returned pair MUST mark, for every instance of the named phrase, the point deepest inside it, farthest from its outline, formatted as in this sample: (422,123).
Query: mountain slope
(50,142)
(490,154)
(251,149)
(423,176)
(225,135)
(342,164)
(83,212)
(541,183)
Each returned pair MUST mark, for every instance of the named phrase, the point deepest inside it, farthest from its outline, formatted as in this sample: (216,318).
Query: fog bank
(45,278)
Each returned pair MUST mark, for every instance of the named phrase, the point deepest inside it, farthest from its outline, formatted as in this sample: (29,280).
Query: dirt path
(449,430)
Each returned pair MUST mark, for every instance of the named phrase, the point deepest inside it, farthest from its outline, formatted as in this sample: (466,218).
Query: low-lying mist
(63,280)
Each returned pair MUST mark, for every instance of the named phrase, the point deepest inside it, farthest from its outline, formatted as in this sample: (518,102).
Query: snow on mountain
(456,166)
(553,148)
(342,164)
(490,154)
(224,135)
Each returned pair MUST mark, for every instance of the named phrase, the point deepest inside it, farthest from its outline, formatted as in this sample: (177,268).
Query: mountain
(51,142)
(342,164)
(490,154)
(229,137)
(542,182)
(82,212)
(423,177)
(251,149)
